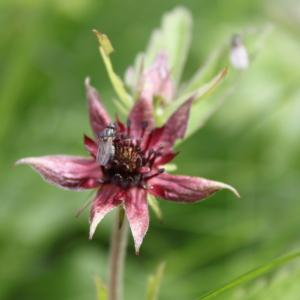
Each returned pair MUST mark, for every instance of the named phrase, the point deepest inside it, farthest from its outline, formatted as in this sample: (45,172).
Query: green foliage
(258,272)
(105,50)
(101,289)
(154,283)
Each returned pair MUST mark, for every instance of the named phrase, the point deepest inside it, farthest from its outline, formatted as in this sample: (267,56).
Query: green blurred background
(46,49)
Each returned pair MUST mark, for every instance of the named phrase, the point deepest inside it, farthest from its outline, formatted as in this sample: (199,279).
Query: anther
(159,171)
(128,127)
(144,127)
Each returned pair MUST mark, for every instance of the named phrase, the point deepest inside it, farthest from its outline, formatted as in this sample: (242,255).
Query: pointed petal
(185,188)
(99,117)
(90,145)
(165,158)
(106,200)
(175,127)
(141,116)
(136,208)
(69,172)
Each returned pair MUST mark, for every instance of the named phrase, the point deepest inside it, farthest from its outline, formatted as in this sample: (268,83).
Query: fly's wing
(105,151)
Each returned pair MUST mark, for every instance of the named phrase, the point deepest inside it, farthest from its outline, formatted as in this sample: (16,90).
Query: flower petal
(107,199)
(90,145)
(156,80)
(69,172)
(165,158)
(141,116)
(99,117)
(175,127)
(185,188)
(136,208)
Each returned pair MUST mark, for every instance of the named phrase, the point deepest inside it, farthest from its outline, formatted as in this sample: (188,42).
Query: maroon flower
(138,152)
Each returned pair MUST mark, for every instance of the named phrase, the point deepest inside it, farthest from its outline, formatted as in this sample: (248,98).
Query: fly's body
(106,148)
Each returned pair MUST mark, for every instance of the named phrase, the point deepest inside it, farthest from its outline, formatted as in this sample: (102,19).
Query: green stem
(117,257)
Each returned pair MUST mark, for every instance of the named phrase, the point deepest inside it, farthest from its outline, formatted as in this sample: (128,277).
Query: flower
(154,81)
(239,57)
(138,152)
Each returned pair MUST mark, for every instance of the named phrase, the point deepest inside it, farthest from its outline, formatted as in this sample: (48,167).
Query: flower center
(130,165)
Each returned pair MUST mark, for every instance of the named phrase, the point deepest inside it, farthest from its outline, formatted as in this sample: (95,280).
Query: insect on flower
(127,164)
(106,148)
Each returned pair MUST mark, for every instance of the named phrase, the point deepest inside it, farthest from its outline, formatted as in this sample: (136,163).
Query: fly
(106,148)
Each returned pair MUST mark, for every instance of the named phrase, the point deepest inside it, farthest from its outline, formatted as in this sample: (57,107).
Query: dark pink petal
(69,172)
(90,145)
(165,158)
(140,117)
(185,188)
(153,138)
(99,117)
(156,80)
(107,199)
(121,126)
(175,127)
(136,208)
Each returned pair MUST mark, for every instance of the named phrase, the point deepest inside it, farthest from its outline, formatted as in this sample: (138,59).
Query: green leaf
(174,38)
(154,204)
(101,289)
(251,275)
(106,49)
(197,95)
(216,61)
(154,282)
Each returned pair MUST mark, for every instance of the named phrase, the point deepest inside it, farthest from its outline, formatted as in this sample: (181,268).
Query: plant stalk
(117,256)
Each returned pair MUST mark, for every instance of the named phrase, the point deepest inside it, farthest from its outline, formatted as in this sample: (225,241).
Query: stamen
(128,127)
(160,171)
(132,162)
(144,127)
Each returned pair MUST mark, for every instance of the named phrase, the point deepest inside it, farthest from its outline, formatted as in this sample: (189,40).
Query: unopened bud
(238,54)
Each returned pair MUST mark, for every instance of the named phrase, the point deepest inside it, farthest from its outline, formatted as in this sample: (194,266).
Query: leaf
(154,282)
(106,49)
(101,289)
(173,37)
(251,275)
(197,95)
(154,204)
(214,62)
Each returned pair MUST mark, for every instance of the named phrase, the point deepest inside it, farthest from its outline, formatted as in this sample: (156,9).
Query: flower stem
(117,257)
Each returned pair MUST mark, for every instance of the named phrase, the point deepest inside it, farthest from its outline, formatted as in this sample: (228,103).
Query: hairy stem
(117,257)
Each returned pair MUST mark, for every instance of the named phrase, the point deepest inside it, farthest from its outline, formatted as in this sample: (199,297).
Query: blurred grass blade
(106,49)
(251,275)
(197,94)
(154,204)
(101,289)
(154,282)
(214,62)
(174,38)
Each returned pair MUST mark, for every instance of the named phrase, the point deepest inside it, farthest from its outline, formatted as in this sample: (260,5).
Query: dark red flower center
(130,165)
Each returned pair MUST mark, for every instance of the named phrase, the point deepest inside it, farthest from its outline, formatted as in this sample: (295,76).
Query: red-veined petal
(99,118)
(90,145)
(136,208)
(141,116)
(174,128)
(69,172)
(106,200)
(185,188)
